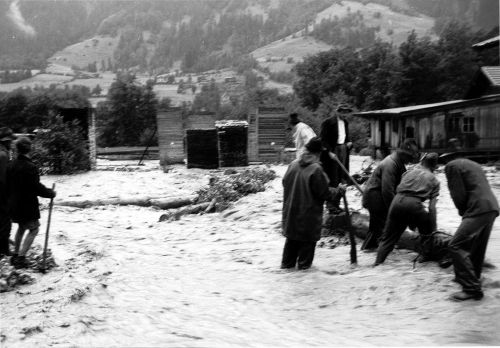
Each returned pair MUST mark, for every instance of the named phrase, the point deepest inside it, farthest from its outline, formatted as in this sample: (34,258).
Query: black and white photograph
(249,173)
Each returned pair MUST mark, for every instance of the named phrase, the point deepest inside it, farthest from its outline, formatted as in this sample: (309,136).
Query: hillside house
(473,122)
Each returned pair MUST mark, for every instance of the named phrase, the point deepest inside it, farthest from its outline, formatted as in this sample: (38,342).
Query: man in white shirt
(335,138)
(301,133)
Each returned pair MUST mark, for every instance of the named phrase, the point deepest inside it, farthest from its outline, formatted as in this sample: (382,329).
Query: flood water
(125,279)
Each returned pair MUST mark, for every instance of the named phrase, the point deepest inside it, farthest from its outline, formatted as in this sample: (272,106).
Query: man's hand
(348,145)
(342,188)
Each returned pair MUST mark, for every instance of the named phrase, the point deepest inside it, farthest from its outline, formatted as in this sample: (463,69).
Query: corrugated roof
(492,73)
(494,41)
(405,109)
(426,108)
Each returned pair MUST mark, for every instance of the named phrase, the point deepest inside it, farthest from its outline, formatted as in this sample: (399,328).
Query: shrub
(61,148)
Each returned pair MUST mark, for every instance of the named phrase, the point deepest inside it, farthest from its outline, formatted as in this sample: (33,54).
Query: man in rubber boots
(6,138)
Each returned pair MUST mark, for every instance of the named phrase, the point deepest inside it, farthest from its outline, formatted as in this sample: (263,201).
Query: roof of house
(427,108)
(492,73)
(493,42)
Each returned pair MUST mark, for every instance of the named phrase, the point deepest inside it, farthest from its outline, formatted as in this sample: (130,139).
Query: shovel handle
(51,204)
(336,159)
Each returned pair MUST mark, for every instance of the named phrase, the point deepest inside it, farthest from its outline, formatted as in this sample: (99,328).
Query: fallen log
(162,203)
(173,202)
(409,239)
(175,214)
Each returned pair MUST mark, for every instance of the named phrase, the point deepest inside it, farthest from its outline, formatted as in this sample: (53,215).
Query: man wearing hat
(419,187)
(6,137)
(381,188)
(335,137)
(24,189)
(302,133)
(305,189)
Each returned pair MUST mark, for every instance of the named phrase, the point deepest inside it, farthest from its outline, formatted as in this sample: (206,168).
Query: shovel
(43,269)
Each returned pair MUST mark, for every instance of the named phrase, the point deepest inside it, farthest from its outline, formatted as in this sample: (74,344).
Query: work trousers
(298,253)
(5,226)
(468,247)
(404,211)
(335,174)
(378,213)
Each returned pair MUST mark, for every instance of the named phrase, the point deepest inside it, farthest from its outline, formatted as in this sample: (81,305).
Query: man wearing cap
(6,137)
(381,188)
(335,137)
(24,188)
(417,187)
(305,189)
(478,207)
(301,133)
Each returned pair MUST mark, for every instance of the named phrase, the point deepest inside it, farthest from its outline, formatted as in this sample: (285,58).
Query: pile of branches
(223,190)
(229,188)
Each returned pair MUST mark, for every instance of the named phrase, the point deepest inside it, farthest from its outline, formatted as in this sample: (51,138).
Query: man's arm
(389,184)
(432,205)
(456,187)
(37,186)
(320,189)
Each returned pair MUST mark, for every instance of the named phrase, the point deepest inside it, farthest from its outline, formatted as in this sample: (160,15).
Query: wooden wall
(170,136)
(266,134)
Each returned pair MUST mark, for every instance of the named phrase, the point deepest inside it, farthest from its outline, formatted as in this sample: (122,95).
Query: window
(468,125)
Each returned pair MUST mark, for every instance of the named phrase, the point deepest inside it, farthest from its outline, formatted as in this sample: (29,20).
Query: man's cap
(344,108)
(430,159)
(6,134)
(314,145)
(23,145)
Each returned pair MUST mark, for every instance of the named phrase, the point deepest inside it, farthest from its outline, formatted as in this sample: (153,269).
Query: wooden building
(266,134)
(474,121)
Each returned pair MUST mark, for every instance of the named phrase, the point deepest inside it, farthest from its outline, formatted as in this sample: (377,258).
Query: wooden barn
(473,123)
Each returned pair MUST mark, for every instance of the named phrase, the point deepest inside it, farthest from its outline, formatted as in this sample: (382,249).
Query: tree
(97,90)
(130,111)
(208,99)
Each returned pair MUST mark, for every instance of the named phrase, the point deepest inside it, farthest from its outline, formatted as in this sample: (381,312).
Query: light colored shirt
(341,126)
(301,136)
(419,182)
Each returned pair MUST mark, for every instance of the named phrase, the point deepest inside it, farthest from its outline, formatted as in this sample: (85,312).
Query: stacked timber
(232,139)
(202,148)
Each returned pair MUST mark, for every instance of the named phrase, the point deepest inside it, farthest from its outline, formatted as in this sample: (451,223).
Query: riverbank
(126,279)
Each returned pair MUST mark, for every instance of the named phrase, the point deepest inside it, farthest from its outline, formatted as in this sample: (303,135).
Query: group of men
(19,190)
(395,198)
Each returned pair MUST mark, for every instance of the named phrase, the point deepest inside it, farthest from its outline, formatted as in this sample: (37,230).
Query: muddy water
(214,280)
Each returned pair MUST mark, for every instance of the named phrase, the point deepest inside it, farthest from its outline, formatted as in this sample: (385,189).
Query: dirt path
(214,280)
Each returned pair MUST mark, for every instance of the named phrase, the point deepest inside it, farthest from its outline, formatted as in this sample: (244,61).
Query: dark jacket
(469,188)
(4,160)
(24,187)
(305,189)
(385,179)
(330,133)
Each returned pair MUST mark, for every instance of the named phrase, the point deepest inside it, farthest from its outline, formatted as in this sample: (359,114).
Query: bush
(61,148)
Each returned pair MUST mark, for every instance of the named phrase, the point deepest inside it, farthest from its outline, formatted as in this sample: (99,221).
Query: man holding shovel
(24,188)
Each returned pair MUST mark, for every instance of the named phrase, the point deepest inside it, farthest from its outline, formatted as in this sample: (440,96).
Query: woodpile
(202,148)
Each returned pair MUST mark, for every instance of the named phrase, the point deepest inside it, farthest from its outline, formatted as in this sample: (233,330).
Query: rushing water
(126,279)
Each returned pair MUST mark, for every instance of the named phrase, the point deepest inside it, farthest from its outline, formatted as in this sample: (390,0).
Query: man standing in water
(381,189)
(407,208)
(302,133)
(6,137)
(305,189)
(478,207)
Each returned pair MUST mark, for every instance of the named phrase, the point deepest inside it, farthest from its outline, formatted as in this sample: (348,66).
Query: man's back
(469,188)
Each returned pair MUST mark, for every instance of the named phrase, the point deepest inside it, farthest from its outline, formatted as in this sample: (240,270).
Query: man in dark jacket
(418,187)
(381,189)
(24,189)
(335,137)
(478,207)
(6,137)
(305,189)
